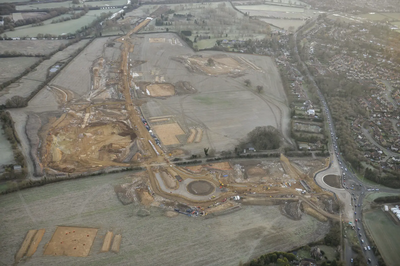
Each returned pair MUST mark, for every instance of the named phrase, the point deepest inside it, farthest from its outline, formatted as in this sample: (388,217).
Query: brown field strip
(35,242)
(116,243)
(192,135)
(199,135)
(25,245)
(107,242)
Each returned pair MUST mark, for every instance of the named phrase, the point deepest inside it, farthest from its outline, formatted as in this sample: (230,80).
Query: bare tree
(247,82)
(259,88)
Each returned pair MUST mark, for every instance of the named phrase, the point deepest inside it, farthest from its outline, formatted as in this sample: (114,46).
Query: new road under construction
(136,113)
(114,126)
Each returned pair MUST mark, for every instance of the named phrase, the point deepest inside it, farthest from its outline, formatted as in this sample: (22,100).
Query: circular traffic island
(200,188)
(332,180)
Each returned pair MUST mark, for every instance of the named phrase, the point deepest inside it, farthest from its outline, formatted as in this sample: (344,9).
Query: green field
(386,234)
(68,4)
(58,28)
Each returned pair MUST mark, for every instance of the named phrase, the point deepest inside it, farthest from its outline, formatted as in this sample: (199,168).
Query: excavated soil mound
(200,188)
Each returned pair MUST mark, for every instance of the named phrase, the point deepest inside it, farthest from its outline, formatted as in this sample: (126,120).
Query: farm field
(151,240)
(381,16)
(43,47)
(284,23)
(269,8)
(8,1)
(30,82)
(280,16)
(57,29)
(80,67)
(374,17)
(385,233)
(68,4)
(222,104)
(294,2)
(11,67)
(235,25)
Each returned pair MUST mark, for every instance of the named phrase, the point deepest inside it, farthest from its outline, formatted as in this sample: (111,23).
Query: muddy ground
(151,240)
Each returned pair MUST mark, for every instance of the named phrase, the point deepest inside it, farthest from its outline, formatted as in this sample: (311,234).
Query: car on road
(351,260)
(369,248)
(362,241)
(365,248)
(358,228)
(369,260)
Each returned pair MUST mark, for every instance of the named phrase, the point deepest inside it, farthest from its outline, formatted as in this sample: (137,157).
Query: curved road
(354,186)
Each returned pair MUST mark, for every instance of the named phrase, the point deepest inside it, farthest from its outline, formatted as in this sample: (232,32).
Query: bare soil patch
(200,188)
(169,180)
(332,180)
(116,243)
(25,245)
(107,242)
(168,133)
(160,89)
(192,135)
(220,64)
(256,171)
(70,146)
(71,241)
(145,197)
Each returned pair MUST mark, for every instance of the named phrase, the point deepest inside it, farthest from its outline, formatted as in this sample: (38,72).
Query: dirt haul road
(126,80)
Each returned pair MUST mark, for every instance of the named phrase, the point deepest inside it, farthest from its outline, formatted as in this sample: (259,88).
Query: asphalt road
(350,182)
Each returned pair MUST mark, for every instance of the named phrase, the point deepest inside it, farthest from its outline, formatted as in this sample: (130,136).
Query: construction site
(151,101)
(143,109)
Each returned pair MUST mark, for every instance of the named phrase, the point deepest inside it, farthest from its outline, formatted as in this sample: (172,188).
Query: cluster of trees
(7,9)
(262,138)
(333,237)
(386,178)
(387,199)
(274,258)
(12,137)
(75,15)
(36,21)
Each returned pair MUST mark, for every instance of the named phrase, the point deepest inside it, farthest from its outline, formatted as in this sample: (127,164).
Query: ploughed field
(151,240)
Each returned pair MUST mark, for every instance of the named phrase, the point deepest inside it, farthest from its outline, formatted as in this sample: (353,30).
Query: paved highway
(350,182)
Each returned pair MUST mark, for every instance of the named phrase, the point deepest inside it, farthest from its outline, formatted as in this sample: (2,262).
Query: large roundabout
(200,188)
